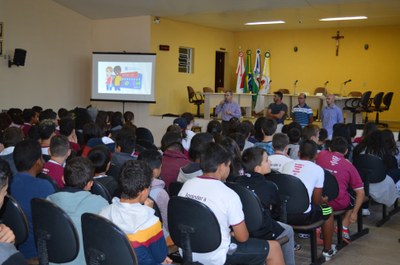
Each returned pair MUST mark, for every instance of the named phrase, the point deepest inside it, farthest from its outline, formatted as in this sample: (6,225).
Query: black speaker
(19,57)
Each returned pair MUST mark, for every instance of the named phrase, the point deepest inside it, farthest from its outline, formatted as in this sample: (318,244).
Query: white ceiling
(232,14)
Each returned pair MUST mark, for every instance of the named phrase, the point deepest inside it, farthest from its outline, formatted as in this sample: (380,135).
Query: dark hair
(135,176)
(236,157)
(250,123)
(369,127)
(338,144)
(279,94)
(16,115)
(153,158)
(116,119)
(199,141)
(28,114)
(352,129)
(144,134)
(91,130)
(59,145)
(308,149)
(244,128)
(5,121)
(264,126)
(239,138)
(252,157)
(102,120)
(294,135)
(78,172)
(63,113)
(129,116)
(213,156)
(341,129)
(389,142)
(5,173)
(323,134)
(309,131)
(37,109)
(372,144)
(47,114)
(188,117)
(26,153)
(100,156)
(280,141)
(46,129)
(214,127)
(126,140)
(67,125)
(12,136)
(171,140)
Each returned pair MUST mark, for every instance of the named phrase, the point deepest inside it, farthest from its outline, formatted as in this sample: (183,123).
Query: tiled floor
(380,247)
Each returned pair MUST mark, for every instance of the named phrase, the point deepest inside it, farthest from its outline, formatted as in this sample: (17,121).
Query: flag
(256,73)
(248,84)
(264,84)
(240,74)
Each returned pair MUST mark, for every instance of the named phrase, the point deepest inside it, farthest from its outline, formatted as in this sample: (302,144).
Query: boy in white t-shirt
(280,143)
(227,207)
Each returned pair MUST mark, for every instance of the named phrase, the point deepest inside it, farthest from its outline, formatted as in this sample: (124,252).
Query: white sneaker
(329,254)
(366,212)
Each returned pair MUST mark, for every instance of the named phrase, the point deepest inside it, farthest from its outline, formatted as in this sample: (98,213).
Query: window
(185,60)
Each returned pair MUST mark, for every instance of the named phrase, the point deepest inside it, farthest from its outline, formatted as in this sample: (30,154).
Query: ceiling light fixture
(342,18)
(265,22)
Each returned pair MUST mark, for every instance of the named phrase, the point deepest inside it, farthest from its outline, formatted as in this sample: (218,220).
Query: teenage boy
(25,186)
(59,152)
(133,215)
(75,199)
(280,143)
(313,178)
(256,165)
(227,207)
(347,177)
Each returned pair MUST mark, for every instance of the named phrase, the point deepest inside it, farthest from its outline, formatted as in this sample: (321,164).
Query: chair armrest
(198,96)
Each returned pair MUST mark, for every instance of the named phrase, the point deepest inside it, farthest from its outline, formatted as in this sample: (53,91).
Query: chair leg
(198,110)
(339,222)
(361,231)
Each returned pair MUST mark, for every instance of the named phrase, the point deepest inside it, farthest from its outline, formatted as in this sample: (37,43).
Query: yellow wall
(171,91)
(315,62)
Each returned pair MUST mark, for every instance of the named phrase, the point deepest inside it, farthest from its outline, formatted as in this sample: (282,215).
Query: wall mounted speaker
(19,58)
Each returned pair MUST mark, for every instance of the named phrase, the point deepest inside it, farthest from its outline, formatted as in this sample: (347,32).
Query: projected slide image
(124,77)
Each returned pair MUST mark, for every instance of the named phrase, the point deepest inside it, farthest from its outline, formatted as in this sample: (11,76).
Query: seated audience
(11,136)
(256,165)
(134,216)
(67,128)
(280,143)
(227,207)
(264,130)
(188,130)
(47,129)
(76,198)
(25,186)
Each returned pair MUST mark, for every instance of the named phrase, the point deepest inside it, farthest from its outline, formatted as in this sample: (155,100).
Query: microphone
(348,81)
(295,82)
(327,82)
(270,81)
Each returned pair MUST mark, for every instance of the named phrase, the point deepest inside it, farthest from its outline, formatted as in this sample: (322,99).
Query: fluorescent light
(265,22)
(342,18)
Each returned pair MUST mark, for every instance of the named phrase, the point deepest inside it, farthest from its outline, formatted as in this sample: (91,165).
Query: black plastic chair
(12,215)
(192,226)
(376,105)
(104,243)
(359,105)
(52,181)
(295,200)
(372,170)
(55,235)
(387,101)
(195,98)
(100,189)
(174,188)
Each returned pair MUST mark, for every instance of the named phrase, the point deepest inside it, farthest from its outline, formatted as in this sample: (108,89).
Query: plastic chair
(195,98)
(12,215)
(355,94)
(55,235)
(284,91)
(52,181)
(104,243)
(295,200)
(198,231)
(387,101)
(208,90)
(174,188)
(377,102)
(359,105)
(100,189)
(321,90)
(372,170)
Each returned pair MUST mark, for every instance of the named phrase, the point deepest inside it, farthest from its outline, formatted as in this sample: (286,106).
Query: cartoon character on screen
(117,78)
(109,78)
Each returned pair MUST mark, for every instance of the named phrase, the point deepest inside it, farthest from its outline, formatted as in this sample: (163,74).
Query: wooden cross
(337,38)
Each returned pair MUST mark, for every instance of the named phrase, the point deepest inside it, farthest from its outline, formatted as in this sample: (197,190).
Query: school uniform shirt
(55,171)
(309,173)
(226,206)
(277,161)
(345,173)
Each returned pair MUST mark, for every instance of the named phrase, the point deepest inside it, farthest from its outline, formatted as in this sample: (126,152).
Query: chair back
(192,226)
(331,186)
(12,215)
(190,93)
(104,243)
(52,181)
(378,100)
(208,90)
(320,90)
(387,99)
(292,191)
(174,188)
(157,211)
(355,94)
(371,169)
(55,235)
(252,208)
(99,189)
(365,99)
(284,91)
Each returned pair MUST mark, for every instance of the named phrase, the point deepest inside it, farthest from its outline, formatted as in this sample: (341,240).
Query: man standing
(277,110)
(302,113)
(228,109)
(331,114)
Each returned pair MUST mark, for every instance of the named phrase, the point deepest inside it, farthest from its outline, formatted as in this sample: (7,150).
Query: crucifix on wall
(337,38)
